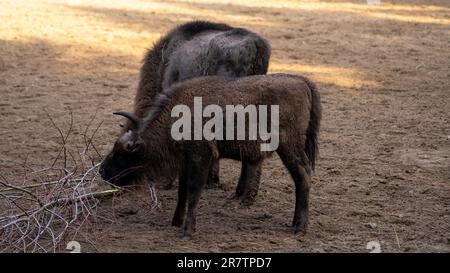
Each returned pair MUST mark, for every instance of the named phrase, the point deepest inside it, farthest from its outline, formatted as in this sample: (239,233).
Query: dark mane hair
(156,68)
(192,28)
(152,70)
(158,104)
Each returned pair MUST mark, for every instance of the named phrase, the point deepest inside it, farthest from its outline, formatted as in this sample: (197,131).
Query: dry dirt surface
(384,75)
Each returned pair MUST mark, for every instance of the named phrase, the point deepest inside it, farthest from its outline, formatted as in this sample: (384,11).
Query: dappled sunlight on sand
(408,13)
(168,9)
(88,28)
(317,4)
(88,32)
(305,4)
(339,76)
(81,35)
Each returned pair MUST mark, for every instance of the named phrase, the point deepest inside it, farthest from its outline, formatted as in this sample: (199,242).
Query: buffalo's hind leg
(301,174)
(243,178)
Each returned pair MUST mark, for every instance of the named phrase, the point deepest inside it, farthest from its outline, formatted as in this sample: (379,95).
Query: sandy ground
(384,75)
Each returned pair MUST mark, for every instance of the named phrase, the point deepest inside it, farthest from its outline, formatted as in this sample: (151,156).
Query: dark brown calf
(148,148)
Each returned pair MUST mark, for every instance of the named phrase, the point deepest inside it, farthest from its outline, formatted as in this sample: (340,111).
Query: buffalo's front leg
(198,167)
(180,211)
(249,182)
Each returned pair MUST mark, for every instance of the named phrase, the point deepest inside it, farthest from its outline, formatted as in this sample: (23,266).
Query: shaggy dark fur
(195,49)
(149,149)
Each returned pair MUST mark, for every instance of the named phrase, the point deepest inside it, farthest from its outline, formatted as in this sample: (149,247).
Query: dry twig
(55,202)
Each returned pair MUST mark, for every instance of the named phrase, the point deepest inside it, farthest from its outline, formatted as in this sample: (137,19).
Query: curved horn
(129,116)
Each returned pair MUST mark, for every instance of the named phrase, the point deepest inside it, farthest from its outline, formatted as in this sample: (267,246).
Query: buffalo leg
(213,176)
(197,177)
(252,177)
(300,173)
(180,211)
(243,179)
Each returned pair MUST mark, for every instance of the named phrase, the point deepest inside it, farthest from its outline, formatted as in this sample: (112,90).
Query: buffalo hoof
(177,222)
(188,232)
(300,226)
(248,198)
